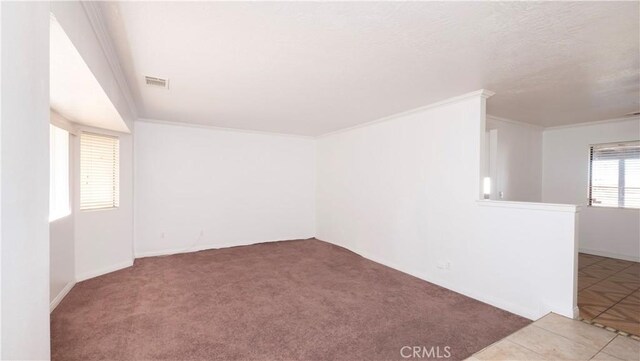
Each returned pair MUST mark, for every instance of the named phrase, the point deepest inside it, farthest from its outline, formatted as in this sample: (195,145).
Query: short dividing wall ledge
(530,205)
(555,286)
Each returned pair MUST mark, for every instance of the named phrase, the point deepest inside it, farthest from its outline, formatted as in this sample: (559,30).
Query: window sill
(99,209)
(605,207)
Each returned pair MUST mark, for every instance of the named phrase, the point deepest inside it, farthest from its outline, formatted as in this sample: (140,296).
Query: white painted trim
(1,308)
(56,301)
(100,272)
(162,252)
(94,14)
(529,313)
(134,201)
(213,127)
(86,128)
(572,208)
(514,122)
(597,122)
(609,254)
(61,122)
(482,93)
(576,312)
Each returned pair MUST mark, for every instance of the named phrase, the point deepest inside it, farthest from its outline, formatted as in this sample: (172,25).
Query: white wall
(104,237)
(200,188)
(404,192)
(519,160)
(25,180)
(61,259)
(61,233)
(1,101)
(604,231)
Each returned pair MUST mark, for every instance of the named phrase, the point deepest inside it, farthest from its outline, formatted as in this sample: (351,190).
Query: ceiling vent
(156,82)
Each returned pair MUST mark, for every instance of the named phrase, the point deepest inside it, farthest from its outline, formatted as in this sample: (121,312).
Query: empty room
(319,180)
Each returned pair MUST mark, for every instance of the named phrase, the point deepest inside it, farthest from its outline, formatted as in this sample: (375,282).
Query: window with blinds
(614,175)
(99,171)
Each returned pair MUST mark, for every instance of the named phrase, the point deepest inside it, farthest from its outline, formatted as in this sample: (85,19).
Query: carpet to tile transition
(291,300)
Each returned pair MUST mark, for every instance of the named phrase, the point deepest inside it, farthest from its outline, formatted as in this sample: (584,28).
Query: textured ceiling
(314,67)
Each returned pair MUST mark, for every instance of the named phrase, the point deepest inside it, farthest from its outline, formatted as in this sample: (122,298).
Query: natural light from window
(59,205)
(99,171)
(615,175)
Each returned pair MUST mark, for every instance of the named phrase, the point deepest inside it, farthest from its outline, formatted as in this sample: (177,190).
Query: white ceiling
(73,90)
(314,67)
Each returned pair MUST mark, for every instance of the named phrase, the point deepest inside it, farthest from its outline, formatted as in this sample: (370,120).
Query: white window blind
(59,204)
(99,171)
(615,175)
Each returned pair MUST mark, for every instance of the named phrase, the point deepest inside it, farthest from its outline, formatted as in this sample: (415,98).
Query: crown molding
(483,93)
(94,15)
(59,121)
(222,129)
(597,122)
(514,122)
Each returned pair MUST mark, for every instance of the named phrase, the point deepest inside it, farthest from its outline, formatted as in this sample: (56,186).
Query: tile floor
(555,337)
(609,292)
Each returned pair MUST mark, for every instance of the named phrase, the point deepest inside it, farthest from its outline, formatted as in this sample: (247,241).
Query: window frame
(621,178)
(53,178)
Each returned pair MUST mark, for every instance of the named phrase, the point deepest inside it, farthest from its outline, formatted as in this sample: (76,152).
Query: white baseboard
(56,301)
(610,255)
(105,270)
(576,312)
(203,247)
(162,252)
(170,251)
